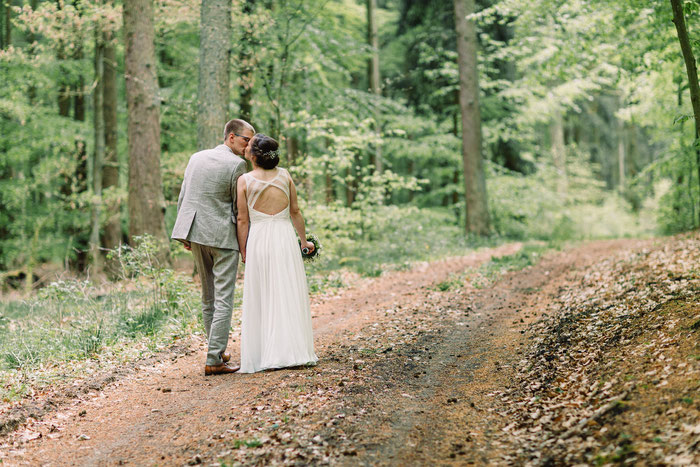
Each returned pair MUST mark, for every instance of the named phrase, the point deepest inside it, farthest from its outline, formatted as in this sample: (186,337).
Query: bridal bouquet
(310,256)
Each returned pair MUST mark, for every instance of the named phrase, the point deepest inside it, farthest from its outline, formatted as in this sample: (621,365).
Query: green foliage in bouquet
(310,256)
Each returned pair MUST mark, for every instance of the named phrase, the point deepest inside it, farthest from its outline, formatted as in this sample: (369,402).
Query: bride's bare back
(268,191)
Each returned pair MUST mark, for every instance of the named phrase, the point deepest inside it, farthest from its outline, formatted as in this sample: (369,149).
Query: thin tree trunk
(2,24)
(691,169)
(692,71)
(214,58)
(330,196)
(31,50)
(78,92)
(99,156)
(246,58)
(63,84)
(373,76)
(411,173)
(559,151)
(349,186)
(621,155)
(328,176)
(7,24)
(477,215)
(292,150)
(110,170)
(78,89)
(146,201)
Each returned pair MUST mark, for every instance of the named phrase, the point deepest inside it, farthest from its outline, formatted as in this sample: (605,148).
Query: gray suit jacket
(206,208)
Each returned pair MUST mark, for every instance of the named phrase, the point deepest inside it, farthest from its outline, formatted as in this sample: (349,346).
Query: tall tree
(373,72)
(246,59)
(110,172)
(621,149)
(477,215)
(63,75)
(99,152)
(146,202)
(556,132)
(692,71)
(6,32)
(214,58)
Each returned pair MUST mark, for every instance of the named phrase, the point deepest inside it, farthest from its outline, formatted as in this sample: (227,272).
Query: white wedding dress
(276,328)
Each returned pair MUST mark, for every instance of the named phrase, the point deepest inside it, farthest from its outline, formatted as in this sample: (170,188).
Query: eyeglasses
(246,138)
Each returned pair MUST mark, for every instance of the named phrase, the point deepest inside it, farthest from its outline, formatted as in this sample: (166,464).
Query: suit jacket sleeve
(181,197)
(238,171)
(182,194)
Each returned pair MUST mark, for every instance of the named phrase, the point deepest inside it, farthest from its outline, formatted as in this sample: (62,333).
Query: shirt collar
(223,147)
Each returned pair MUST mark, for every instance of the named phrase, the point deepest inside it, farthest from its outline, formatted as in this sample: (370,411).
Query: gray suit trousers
(217,269)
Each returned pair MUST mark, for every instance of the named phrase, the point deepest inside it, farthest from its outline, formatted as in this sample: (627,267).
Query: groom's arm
(238,171)
(181,197)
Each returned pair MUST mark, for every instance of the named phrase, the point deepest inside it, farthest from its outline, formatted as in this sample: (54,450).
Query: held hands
(307,246)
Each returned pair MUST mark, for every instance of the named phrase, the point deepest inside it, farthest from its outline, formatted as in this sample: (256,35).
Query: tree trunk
(330,195)
(63,83)
(349,186)
(31,50)
(411,173)
(2,24)
(7,24)
(292,150)
(373,75)
(246,58)
(78,92)
(684,149)
(477,215)
(99,156)
(692,71)
(559,151)
(78,89)
(621,155)
(214,58)
(110,170)
(146,202)
(80,182)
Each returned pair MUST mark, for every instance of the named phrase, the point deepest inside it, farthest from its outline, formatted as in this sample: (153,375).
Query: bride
(276,329)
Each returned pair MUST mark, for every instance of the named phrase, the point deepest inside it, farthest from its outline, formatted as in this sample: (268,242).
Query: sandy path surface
(404,378)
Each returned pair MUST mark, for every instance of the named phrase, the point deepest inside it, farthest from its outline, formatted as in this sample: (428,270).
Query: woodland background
(575,121)
(416,130)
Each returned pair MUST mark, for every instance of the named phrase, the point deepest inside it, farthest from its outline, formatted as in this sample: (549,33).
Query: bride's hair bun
(266,151)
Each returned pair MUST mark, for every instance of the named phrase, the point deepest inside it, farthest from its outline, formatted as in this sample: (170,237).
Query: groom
(206,224)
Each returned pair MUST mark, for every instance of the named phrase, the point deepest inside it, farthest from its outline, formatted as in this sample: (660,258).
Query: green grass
(69,324)
(528,255)
(249,443)
(454,281)
(385,238)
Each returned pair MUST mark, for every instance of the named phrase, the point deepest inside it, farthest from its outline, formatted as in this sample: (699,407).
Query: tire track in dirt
(449,417)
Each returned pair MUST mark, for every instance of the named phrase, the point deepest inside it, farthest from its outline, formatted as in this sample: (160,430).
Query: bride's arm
(297,218)
(242,219)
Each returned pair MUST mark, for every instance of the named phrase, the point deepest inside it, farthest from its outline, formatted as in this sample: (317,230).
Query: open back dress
(276,328)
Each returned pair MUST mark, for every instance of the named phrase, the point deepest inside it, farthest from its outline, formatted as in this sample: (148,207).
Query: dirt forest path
(404,378)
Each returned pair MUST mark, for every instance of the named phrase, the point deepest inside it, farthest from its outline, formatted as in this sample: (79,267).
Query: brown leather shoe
(220,369)
(225,356)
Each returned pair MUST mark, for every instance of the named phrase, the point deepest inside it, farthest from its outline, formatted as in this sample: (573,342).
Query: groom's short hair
(237,126)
